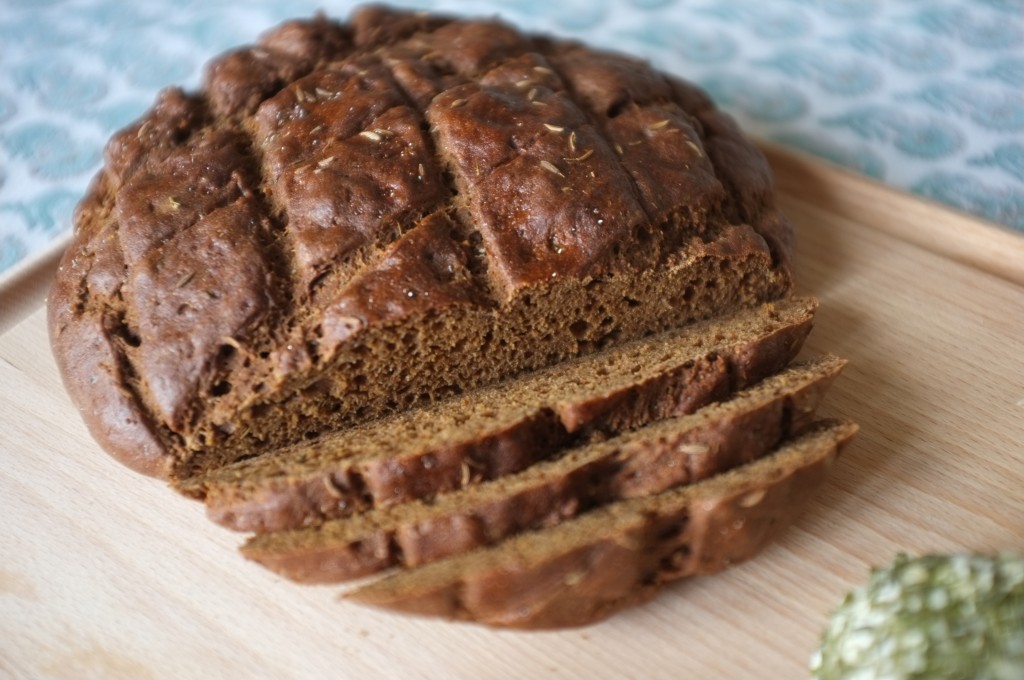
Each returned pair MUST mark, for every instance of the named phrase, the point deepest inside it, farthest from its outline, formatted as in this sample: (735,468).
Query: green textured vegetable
(937,617)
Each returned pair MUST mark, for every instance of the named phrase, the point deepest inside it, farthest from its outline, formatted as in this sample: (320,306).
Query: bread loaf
(378,282)
(349,220)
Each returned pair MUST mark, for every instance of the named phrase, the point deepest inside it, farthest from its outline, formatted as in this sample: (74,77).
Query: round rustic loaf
(349,219)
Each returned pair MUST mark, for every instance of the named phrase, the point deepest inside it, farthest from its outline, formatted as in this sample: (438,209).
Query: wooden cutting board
(105,574)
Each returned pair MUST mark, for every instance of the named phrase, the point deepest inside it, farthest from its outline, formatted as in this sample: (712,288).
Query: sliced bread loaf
(584,569)
(373,263)
(668,453)
(502,429)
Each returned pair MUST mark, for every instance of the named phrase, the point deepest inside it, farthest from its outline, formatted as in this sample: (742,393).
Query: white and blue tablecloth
(925,96)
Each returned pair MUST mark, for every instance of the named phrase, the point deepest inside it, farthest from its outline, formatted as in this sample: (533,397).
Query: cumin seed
(552,168)
(582,157)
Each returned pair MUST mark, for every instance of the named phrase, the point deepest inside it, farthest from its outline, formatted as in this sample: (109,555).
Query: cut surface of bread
(584,569)
(502,429)
(671,452)
(352,219)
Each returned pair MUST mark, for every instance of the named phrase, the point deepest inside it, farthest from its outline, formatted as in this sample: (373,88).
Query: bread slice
(584,569)
(650,460)
(499,430)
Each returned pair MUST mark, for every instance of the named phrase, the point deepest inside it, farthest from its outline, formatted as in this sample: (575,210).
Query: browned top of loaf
(225,220)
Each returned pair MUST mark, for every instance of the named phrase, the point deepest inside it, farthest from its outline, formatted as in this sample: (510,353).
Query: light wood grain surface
(105,574)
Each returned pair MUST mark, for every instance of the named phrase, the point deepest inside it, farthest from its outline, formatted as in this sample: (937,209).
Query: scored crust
(352,219)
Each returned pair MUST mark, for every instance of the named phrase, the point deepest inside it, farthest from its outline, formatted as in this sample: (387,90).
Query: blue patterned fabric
(928,97)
